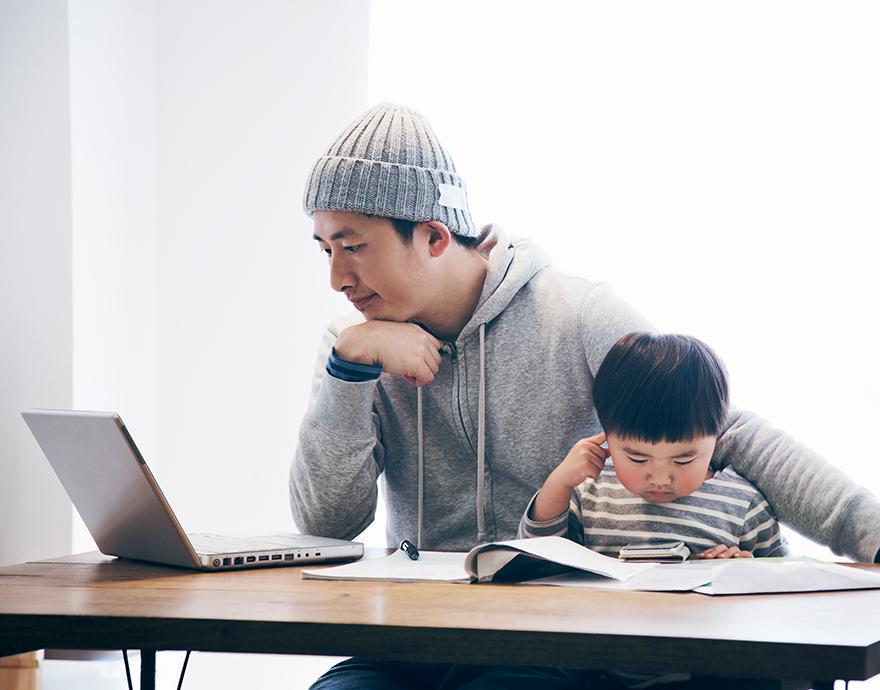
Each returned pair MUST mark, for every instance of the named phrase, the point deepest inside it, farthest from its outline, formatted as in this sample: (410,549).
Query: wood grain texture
(94,602)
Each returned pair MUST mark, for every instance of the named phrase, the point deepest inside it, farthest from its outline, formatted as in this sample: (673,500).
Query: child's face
(661,472)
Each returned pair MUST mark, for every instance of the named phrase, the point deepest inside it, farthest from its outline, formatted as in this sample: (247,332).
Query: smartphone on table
(658,552)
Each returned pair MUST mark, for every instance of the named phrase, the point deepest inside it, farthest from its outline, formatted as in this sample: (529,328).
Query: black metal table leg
(148,669)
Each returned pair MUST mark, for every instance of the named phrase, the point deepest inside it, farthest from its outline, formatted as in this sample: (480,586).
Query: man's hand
(399,348)
(585,459)
(722,551)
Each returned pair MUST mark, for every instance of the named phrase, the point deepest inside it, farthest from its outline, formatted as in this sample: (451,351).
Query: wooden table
(95,602)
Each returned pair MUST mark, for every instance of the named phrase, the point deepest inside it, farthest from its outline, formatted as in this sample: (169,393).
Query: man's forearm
(805,490)
(333,489)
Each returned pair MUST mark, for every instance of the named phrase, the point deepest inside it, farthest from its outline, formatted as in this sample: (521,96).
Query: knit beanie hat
(390,163)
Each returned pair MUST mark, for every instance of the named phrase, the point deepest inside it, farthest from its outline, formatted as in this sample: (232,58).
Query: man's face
(661,472)
(370,264)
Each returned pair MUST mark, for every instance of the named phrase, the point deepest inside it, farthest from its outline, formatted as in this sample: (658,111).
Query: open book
(561,562)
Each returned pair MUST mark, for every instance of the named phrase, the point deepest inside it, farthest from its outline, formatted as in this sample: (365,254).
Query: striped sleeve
(567,524)
(760,531)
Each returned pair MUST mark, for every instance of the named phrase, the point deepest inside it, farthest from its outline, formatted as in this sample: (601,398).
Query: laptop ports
(251,559)
(227,561)
(276,557)
(239,560)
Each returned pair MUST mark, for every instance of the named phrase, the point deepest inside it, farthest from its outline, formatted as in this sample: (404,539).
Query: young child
(662,401)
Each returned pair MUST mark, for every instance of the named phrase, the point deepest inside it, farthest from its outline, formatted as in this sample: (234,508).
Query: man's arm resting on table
(804,489)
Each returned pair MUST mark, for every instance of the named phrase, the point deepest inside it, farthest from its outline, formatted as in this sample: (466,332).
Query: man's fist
(399,348)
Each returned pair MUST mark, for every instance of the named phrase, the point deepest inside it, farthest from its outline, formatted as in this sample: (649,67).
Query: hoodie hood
(513,262)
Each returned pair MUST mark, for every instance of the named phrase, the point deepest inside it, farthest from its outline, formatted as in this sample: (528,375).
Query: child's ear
(439,237)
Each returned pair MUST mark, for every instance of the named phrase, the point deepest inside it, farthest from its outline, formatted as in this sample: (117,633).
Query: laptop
(123,507)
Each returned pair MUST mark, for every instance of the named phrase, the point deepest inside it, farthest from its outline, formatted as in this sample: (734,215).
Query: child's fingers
(598,439)
(597,464)
(597,452)
(729,552)
(720,551)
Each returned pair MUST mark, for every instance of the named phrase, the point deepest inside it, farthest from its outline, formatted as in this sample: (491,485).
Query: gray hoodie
(461,457)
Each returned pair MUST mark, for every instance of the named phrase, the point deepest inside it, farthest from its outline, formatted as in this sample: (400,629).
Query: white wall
(35,271)
(717,163)
(247,99)
(113,164)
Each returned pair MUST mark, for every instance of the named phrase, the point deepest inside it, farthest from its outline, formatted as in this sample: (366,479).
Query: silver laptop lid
(111,486)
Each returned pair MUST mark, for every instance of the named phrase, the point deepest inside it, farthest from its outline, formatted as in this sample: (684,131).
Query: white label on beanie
(452,197)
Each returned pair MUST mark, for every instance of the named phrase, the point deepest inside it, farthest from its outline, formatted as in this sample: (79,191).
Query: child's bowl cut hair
(652,388)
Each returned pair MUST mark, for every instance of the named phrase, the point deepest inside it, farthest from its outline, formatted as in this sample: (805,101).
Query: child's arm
(585,459)
(567,524)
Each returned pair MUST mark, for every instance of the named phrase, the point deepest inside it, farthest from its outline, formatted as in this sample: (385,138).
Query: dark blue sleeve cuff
(354,372)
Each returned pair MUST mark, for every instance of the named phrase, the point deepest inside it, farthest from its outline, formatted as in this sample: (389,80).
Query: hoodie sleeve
(604,319)
(339,457)
(804,490)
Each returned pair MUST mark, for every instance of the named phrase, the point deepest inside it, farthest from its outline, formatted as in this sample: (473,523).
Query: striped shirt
(726,509)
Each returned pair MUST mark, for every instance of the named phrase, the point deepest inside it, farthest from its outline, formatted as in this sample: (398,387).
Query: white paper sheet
(432,566)
(764,576)
(735,576)
(671,577)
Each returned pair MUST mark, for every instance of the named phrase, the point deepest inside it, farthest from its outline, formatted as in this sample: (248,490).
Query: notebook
(123,507)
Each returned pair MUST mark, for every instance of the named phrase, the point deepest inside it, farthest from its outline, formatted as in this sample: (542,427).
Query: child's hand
(722,551)
(585,460)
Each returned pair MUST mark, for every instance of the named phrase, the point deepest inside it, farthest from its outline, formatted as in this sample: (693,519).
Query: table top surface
(94,601)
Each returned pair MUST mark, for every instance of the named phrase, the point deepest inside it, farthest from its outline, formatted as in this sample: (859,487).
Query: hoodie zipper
(452,351)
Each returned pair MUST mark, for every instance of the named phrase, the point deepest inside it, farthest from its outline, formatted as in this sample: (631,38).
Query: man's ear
(439,237)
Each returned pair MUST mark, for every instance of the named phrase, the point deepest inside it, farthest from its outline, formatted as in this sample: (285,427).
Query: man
(453,382)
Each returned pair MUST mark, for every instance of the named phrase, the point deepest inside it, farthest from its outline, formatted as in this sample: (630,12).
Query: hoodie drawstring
(481,443)
(421,467)
(481,452)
